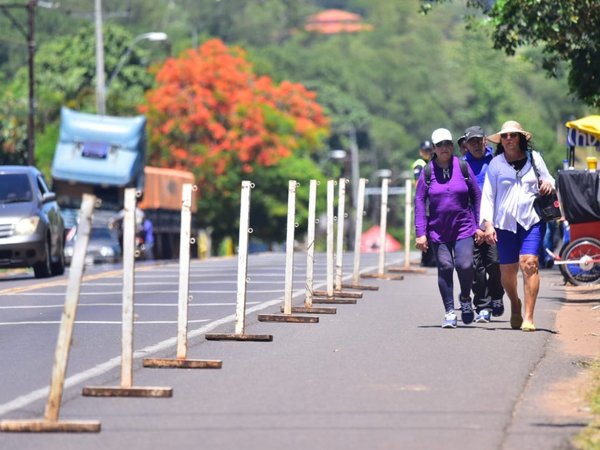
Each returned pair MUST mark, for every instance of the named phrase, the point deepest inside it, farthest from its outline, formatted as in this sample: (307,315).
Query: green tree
(568,31)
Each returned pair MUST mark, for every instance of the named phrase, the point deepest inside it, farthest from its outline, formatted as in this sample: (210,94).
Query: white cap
(441,134)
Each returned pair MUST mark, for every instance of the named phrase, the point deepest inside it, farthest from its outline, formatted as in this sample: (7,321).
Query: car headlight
(107,251)
(69,251)
(27,225)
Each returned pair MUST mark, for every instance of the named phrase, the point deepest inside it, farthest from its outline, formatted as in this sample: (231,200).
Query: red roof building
(332,21)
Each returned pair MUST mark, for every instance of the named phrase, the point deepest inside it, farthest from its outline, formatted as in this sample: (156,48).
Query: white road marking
(27,399)
(59,294)
(100,322)
(191,305)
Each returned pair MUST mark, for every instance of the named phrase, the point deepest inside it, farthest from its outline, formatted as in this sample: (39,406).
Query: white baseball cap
(441,134)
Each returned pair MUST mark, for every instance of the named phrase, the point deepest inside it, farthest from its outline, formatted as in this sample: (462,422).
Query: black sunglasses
(512,135)
(443,143)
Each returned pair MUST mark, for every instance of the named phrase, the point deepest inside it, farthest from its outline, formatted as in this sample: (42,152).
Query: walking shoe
(449,320)
(516,320)
(497,307)
(484,316)
(467,314)
(527,326)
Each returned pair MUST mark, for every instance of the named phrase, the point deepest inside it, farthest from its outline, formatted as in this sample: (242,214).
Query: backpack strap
(463,168)
(465,171)
(427,175)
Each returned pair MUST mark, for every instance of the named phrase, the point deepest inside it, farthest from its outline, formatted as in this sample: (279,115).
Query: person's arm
(486,212)
(474,194)
(420,213)
(547,183)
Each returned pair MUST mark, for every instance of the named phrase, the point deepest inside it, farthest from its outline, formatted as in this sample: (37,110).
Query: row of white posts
(332,295)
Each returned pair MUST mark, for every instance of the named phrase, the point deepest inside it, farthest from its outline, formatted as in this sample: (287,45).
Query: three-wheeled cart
(579,192)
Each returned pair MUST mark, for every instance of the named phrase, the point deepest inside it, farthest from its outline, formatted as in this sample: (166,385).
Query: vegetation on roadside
(589,437)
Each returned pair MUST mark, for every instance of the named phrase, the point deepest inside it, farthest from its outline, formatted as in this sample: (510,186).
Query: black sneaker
(467,313)
(497,307)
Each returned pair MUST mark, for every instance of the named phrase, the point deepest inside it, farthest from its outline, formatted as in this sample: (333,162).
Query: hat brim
(495,138)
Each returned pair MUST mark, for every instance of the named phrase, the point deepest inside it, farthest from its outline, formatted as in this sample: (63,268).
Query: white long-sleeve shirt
(507,196)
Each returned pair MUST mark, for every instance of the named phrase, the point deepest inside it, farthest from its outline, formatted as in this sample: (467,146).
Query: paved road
(380,374)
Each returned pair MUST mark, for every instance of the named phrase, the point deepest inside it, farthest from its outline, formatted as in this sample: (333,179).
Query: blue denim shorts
(523,242)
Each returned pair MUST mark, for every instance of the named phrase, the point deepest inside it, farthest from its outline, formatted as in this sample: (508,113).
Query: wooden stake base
(402,269)
(99,391)
(361,287)
(382,276)
(334,301)
(50,426)
(286,318)
(164,363)
(342,294)
(239,337)
(312,310)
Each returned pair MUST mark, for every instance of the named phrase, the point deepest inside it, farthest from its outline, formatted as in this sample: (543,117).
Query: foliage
(567,30)
(65,74)
(211,114)
(589,437)
(414,73)
(13,132)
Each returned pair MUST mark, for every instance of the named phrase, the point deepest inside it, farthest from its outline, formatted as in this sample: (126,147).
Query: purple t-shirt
(453,206)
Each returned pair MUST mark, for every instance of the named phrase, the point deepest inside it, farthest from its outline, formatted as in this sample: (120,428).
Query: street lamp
(151,36)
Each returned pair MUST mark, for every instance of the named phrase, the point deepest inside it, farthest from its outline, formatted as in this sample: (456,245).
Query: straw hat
(510,126)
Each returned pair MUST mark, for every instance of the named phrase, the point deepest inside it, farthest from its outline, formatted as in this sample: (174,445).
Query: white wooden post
(242,274)
(310,242)
(407,221)
(289,247)
(128,288)
(383,224)
(184,271)
(330,219)
(360,206)
(67,322)
(340,233)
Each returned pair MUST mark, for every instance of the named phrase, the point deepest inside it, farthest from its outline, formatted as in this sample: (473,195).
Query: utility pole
(29,36)
(100,77)
(30,62)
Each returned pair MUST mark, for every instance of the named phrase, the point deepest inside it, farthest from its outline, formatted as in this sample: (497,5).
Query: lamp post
(152,36)
(103,87)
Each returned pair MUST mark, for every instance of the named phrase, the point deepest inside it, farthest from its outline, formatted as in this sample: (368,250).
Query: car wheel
(58,268)
(43,269)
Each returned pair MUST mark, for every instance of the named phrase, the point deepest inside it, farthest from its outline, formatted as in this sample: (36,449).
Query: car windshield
(101,233)
(14,188)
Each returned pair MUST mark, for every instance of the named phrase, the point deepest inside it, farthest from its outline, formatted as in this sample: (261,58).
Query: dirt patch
(578,326)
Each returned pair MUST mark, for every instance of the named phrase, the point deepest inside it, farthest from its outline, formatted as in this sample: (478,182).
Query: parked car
(103,246)
(31,226)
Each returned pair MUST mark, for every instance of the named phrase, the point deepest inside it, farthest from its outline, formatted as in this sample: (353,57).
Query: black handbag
(546,206)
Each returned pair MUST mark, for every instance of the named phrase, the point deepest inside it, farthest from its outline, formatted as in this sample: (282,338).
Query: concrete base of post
(311,310)
(340,294)
(361,287)
(404,269)
(166,363)
(382,276)
(334,301)
(239,337)
(50,426)
(286,318)
(99,391)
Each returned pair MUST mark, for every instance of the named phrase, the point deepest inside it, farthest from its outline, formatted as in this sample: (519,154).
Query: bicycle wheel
(585,268)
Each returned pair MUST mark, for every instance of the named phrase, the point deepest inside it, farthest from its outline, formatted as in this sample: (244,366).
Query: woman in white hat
(510,219)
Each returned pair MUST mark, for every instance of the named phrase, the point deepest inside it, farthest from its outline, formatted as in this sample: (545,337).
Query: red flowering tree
(211,114)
